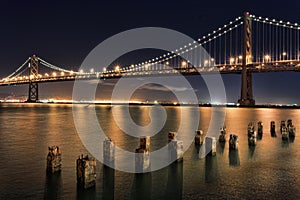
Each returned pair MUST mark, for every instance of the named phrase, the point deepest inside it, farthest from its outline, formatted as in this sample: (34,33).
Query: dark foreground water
(271,170)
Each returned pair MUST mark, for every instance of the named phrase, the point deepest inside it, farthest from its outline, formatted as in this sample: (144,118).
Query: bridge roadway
(279,66)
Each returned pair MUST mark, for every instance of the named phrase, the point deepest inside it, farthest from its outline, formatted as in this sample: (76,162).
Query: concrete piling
(145,143)
(142,156)
(289,122)
(251,134)
(284,133)
(175,147)
(210,146)
(108,152)
(171,136)
(272,129)
(54,161)
(199,137)
(291,128)
(222,137)
(233,142)
(86,171)
(282,126)
(260,129)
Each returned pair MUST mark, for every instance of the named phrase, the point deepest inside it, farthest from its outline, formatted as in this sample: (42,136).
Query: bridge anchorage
(246,86)
(33,92)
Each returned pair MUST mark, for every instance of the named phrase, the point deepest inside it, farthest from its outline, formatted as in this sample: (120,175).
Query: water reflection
(108,183)
(211,169)
(277,162)
(83,193)
(142,186)
(251,152)
(53,186)
(220,147)
(259,136)
(234,159)
(285,143)
(175,181)
(291,139)
(273,135)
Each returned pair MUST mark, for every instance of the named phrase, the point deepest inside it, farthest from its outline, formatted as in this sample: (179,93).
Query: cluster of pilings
(287,130)
(85,167)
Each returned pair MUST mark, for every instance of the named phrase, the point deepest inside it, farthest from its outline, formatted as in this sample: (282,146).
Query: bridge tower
(246,88)
(33,92)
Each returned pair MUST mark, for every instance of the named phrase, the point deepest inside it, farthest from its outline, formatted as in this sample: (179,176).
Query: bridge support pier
(246,86)
(246,89)
(33,91)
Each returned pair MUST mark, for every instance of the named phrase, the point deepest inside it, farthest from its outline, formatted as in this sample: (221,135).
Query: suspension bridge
(248,44)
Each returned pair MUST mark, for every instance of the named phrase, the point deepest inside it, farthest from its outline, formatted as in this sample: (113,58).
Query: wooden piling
(54,161)
(86,171)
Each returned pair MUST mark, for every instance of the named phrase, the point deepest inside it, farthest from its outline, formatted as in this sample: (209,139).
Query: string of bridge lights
(295,27)
(196,46)
(55,67)
(173,54)
(275,22)
(18,69)
(186,48)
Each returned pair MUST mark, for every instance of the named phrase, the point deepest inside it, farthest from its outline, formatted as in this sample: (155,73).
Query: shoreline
(165,104)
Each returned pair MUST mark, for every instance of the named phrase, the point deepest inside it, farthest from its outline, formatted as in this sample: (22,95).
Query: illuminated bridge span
(246,45)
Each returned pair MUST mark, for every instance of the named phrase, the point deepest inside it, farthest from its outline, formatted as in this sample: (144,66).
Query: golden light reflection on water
(270,170)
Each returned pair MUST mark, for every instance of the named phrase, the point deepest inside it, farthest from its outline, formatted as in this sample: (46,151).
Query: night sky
(64,32)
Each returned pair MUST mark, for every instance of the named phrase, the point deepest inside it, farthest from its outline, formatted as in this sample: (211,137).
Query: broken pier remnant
(86,171)
(54,161)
